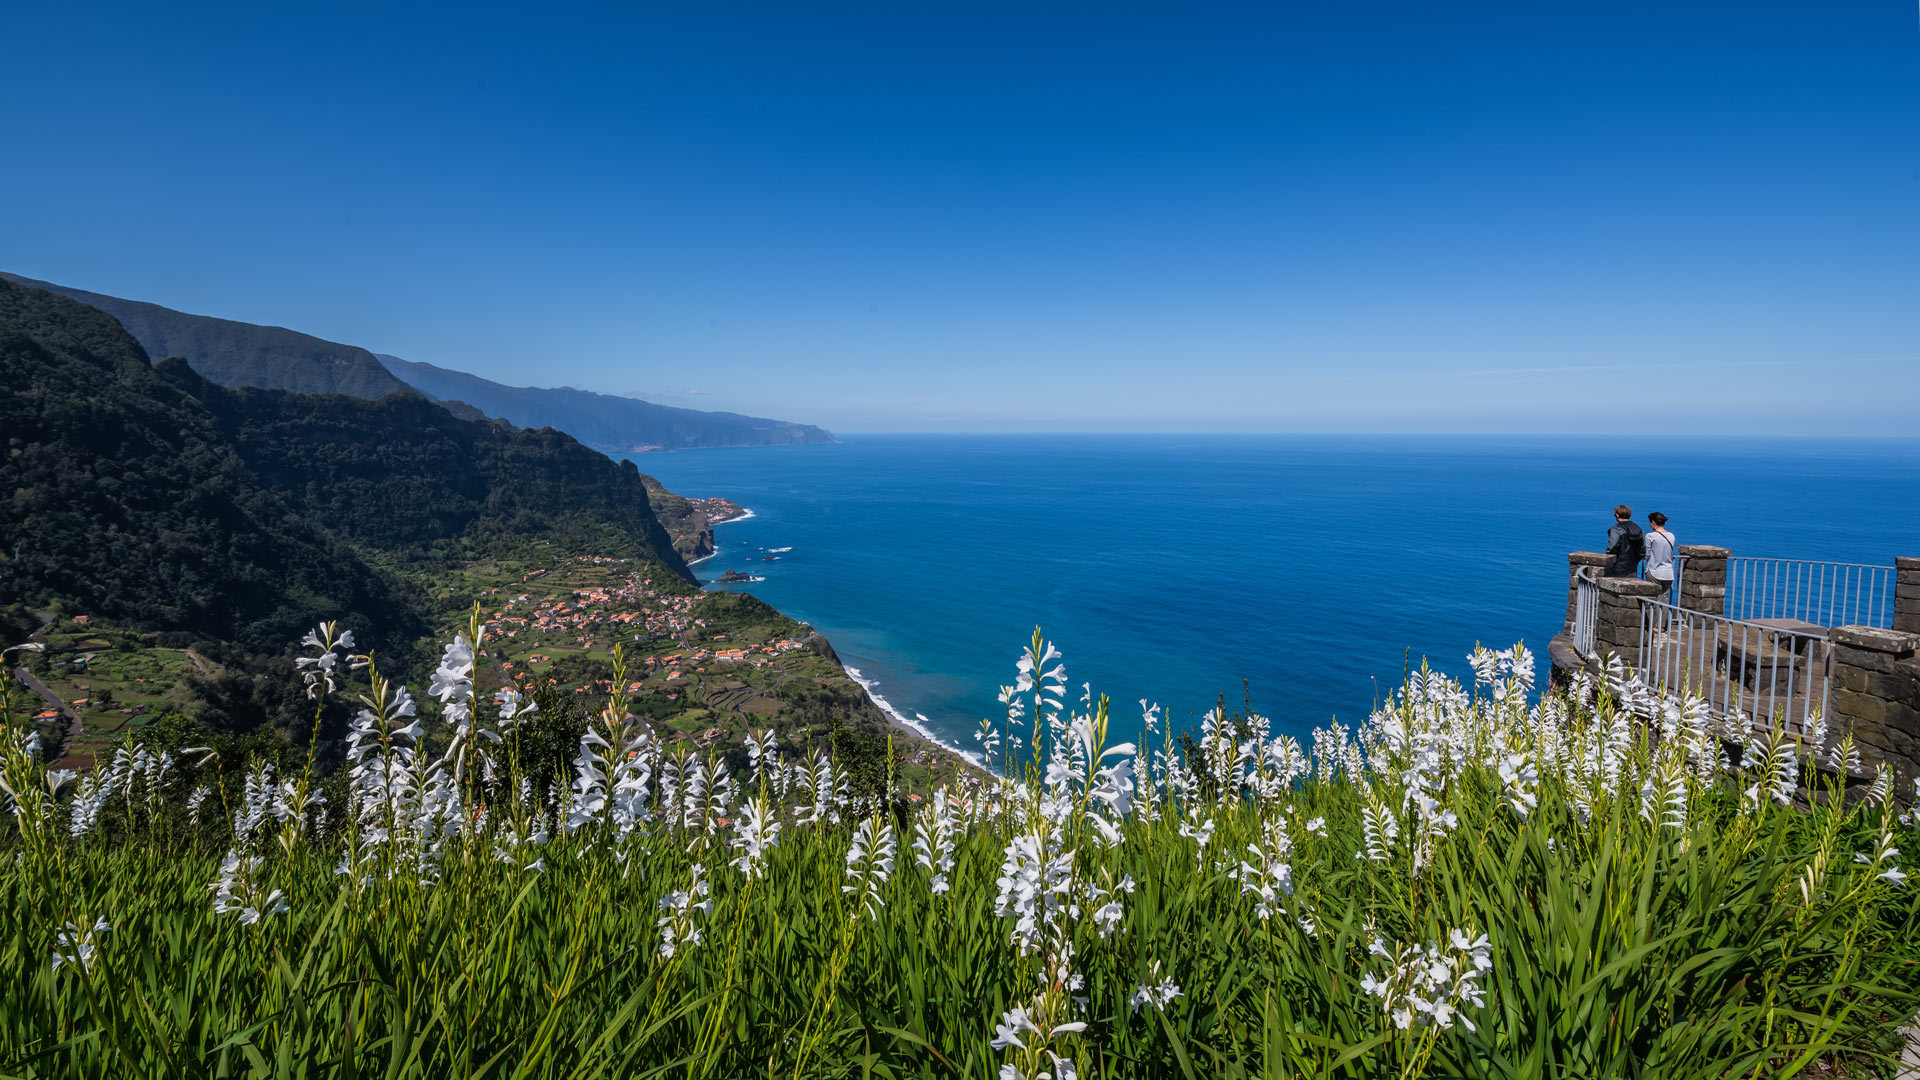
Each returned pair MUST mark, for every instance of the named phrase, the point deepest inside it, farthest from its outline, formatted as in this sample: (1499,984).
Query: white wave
(778,551)
(918,724)
(716,547)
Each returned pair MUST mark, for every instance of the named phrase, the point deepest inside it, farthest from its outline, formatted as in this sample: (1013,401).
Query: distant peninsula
(609,423)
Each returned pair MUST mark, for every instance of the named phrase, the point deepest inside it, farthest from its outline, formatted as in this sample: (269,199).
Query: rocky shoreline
(689,522)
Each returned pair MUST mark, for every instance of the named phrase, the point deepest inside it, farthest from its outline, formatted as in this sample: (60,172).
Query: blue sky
(1479,217)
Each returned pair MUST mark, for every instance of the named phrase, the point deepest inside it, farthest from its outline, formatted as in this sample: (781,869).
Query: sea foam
(917,723)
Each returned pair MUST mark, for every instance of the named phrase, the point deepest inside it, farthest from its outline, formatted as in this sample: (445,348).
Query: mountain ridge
(606,422)
(234,353)
(238,354)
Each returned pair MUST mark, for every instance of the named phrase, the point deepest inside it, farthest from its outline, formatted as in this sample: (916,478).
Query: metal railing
(1818,593)
(1741,669)
(1586,607)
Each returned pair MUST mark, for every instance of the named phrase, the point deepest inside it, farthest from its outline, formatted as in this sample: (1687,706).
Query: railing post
(1876,694)
(1906,594)
(1616,628)
(1576,560)
(1703,587)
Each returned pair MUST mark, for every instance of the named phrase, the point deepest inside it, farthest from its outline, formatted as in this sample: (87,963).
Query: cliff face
(689,522)
(403,472)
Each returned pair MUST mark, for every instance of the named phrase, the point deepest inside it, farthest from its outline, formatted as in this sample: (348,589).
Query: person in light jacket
(1660,548)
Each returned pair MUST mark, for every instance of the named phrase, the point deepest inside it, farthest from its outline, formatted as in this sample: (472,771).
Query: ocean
(1307,572)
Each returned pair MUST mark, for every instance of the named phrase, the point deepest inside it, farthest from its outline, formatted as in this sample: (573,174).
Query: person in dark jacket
(1626,544)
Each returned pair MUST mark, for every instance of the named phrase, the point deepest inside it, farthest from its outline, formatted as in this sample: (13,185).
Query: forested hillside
(128,501)
(405,476)
(151,496)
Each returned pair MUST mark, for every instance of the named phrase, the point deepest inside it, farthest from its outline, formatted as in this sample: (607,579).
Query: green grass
(1747,942)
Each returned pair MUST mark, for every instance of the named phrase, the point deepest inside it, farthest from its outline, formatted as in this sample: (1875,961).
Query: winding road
(54,700)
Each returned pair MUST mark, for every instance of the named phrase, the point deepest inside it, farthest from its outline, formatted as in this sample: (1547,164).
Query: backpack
(1626,562)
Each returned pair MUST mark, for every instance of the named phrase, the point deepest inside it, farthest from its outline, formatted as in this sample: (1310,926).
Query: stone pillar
(1616,629)
(1703,584)
(1906,594)
(1876,693)
(1576,560)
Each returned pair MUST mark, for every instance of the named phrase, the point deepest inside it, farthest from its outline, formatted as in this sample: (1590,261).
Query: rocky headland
(689,522)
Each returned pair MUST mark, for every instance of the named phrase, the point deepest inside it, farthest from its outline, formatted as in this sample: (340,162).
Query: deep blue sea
(1173,567)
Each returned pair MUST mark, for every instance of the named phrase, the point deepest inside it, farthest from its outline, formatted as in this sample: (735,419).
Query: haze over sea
(1172,567)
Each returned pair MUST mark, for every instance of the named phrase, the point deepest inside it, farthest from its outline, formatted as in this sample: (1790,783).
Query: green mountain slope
(615,425)
(241,354)
(149,495)
(404,475)
(129,502)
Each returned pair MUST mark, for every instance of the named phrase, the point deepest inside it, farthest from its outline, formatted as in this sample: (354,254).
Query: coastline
(716,548)
(916,723)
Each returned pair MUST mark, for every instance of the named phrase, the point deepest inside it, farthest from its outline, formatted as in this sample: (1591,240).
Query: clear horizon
(981,219)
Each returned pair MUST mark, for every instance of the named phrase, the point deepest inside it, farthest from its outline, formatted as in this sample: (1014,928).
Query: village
(706,667)
(589,606)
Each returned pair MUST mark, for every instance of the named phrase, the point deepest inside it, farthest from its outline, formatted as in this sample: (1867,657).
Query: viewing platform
(1765,641)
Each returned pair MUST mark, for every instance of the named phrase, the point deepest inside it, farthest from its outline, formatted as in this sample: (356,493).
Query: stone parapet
(1906,594)
(1876,694)
(1616,628)
(1703,580)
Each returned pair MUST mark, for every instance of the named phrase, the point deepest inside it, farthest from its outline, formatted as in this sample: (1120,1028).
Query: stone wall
(1906,594)
(1876,694)
(1703,579)
(1616,628)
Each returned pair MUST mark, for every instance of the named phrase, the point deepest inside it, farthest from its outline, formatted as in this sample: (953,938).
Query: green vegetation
(1472,885)
(129,504)
(117,681)
(688,521)
(706,668)
(149,497)
(404,477)
(203,529)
